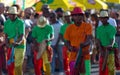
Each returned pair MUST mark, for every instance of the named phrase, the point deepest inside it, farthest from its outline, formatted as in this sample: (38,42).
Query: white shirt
(56,28)
(111,21)
(28,23)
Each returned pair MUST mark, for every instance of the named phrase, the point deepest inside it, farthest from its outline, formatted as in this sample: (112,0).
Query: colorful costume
(104,35)
(41,34)
(15,55)
(77,35)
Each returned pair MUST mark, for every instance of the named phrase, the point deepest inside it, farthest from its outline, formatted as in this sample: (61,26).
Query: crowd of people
(58,40)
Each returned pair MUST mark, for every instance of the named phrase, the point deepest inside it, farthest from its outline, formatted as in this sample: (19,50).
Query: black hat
(59,10)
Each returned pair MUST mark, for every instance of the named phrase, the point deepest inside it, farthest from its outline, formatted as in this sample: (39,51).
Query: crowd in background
(52,40)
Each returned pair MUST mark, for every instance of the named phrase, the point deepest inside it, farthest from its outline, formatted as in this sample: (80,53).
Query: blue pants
(57,53)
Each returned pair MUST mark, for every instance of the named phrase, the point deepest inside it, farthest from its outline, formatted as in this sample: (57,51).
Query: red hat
(77,10)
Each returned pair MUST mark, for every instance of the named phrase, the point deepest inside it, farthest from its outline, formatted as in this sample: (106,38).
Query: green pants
(87,67)
(19,57)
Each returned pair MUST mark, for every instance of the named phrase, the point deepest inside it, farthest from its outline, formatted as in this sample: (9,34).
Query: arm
(105,59)
(2,41)
(34,44)
(87,42)
(51,38)
(19,40)
(67,43)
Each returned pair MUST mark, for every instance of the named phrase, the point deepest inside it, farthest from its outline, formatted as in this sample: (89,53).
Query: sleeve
(67,33)
(112,33)
(5,28)
(21,28)
(89,29)
(34,32)
(51,30)
(61,29)
(97,33)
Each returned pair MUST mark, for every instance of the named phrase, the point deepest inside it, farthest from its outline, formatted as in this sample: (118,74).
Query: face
(46,12)
(60,14)
(52,18)
(28,13)
(104,20)
(67,19)
(12,16)
(2,8)
(78,18)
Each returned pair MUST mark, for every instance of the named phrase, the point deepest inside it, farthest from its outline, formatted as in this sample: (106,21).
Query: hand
(15,44)
(75,49)
(50,53)
(46,40)
(34,47)
(70,48)
(82,45)
(109,47)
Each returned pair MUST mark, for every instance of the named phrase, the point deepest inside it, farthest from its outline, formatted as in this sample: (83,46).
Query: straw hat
(77,10)
(42,21)
(103,14)
(12,10)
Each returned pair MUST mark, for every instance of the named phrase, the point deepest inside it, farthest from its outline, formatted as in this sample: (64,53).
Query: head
(104,17)
(17,6)
(21,14)
(59,12)
(12,13)
(52,18)
(94,17)
(77,15)
(67,16)
(6,9)
(2,8)
(117,15)
(42,21)
(28,13)
(46,10)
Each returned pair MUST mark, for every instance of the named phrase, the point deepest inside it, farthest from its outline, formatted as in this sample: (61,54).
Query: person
(78,35)
(15,40)
(2,50)
(94,48)
(2,16)
(115,15)
(111,21)
(60,11)
(42,34)
(65,52)
(105,35)
(56,45)
(2,21)
(28,27)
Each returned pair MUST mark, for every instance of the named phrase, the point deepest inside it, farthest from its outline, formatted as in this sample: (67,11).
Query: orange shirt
(77,34)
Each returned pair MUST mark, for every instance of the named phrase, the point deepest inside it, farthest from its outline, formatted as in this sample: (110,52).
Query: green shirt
(63,28)
(105,34)
(14,29)
(41,34)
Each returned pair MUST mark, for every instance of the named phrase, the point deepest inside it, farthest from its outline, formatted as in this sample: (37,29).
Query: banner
(23,3)
(91,1)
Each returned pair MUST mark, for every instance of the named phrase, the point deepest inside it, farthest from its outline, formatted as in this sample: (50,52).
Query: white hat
(12,10)
(103,14)
(67,13)
(42,21)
